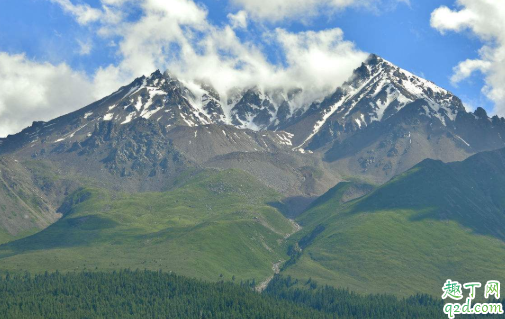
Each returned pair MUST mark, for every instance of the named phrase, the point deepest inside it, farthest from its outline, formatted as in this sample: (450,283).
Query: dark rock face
(253,105)
(129,150)
(263,109)
(212,107)
(284,112)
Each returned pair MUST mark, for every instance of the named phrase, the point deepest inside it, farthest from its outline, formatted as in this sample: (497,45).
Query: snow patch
(148,113)
(285,138)
(138,105)
(462,140)
(129,118)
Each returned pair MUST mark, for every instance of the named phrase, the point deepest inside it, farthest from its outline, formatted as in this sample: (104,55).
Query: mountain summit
(376,91)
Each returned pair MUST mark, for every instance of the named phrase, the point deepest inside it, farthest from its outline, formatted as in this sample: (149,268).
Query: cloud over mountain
(486,20)
(178,35)
(33,90)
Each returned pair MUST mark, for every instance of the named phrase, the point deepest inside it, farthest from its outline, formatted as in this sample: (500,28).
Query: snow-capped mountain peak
(376,91)
(389,88)
(159,96)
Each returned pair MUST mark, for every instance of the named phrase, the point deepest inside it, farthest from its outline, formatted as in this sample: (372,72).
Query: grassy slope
(435,222)
(5,237)
(23,210)
(216,223)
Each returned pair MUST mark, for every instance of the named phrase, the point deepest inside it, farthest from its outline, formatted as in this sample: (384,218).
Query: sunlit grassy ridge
(216,225)
(5,237)
(435,222)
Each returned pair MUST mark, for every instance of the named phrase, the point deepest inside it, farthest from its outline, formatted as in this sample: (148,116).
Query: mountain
(170,174)
(378,124)
(263,109)
(385,120)
(433,222)
(163,99)
(377,91)
(141,138)
(156,127)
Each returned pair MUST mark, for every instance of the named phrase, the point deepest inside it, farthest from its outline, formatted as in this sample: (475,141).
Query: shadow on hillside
(65,233)
(292,207)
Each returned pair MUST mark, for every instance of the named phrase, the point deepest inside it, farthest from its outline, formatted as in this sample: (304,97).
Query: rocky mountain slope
(30,194)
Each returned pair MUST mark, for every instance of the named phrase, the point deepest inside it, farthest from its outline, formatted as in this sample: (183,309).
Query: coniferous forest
(150,294)
(136,294)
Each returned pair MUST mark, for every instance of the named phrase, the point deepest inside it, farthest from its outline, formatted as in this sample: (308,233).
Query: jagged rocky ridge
(377,91)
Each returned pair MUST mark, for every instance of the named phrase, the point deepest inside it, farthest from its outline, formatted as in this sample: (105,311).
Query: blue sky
(49,34)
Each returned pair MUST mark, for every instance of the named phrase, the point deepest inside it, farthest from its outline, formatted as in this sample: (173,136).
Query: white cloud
(83,13)
(38,91)
(238,20)
(275,10)
(469,107)
(147,44)
(85,47)
(318,61)
(465,69)
(486,20)
(278,10)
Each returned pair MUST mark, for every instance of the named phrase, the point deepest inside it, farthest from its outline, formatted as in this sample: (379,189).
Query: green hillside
(434,222)
(24,207)
(215,225)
